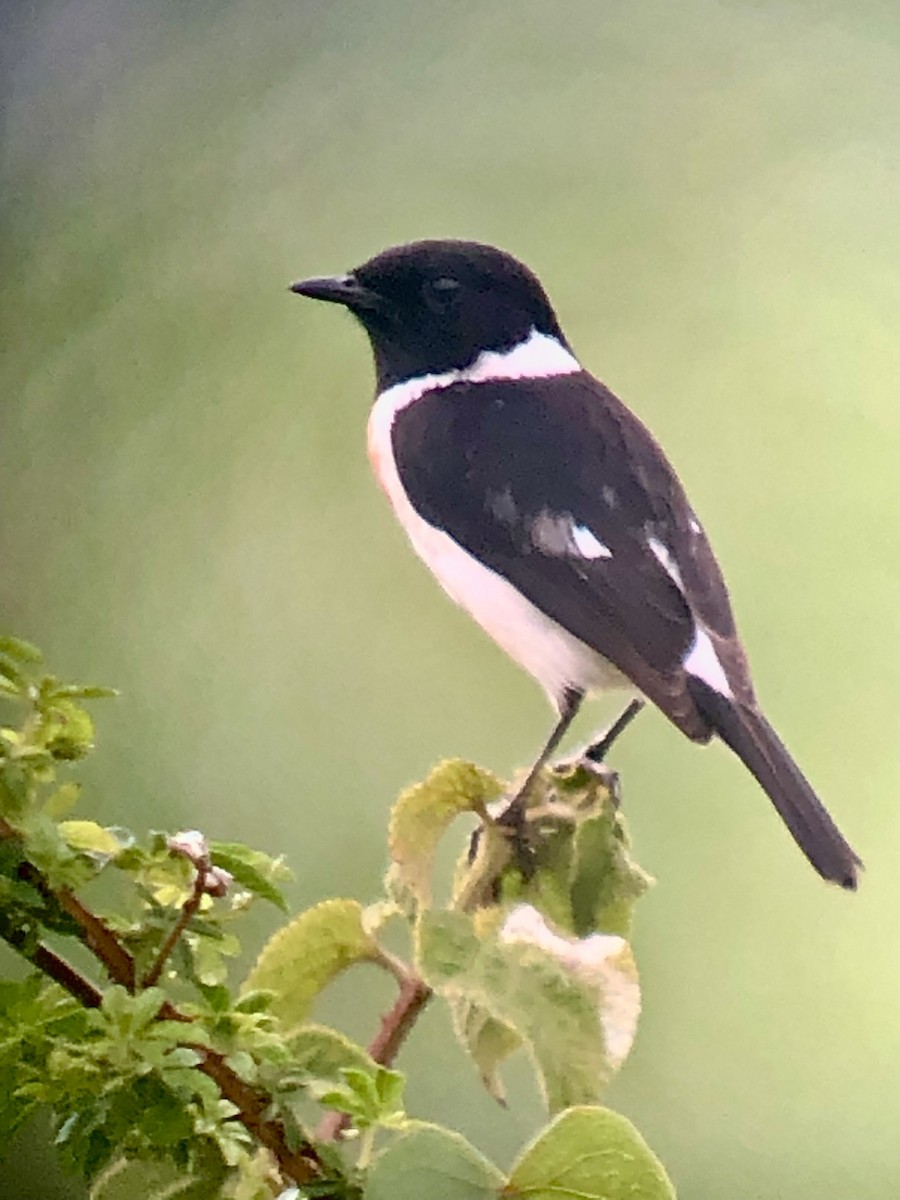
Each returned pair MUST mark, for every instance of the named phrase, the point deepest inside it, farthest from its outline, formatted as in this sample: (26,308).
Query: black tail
(746,731)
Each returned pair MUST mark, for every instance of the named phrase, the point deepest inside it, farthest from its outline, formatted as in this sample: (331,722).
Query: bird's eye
(440,294)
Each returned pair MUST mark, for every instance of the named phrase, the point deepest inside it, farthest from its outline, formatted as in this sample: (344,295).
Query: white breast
(552,655)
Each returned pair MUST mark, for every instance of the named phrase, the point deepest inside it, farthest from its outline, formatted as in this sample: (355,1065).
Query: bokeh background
(711,193)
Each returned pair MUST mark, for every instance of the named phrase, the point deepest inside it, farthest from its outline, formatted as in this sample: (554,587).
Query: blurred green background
(710,193)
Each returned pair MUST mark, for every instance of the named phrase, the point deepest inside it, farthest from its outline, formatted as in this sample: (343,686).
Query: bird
(547,510)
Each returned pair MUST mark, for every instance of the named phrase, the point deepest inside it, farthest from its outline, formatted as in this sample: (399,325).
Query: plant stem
(396,1025)
(188,909)
(299,1163)
(94,933)
(98,938)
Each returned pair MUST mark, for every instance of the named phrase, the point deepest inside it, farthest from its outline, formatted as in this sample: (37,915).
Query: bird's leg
(513,816)
(597,751)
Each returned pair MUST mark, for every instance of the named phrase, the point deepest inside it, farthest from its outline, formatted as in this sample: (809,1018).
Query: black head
(434,306)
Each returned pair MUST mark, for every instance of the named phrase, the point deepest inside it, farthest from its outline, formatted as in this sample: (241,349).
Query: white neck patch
(540,356)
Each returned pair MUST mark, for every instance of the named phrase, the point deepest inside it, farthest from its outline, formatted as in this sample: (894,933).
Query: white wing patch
(702,662)
(666,561)
(589,546)
(558,535)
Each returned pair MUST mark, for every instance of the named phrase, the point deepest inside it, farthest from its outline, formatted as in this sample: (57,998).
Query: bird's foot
(513,822)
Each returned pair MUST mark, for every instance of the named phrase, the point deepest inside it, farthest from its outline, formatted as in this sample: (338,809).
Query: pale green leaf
(62,800)
(378,914)
(309,952)
(75,691)
(12,678)
(428,1161)
(20,649)
(423,813)
(583,877)
(128,1179)
(573,1003)
(371,1095)
(389,1085)
(70,730)
(325,1053)
(601,963)
(90,837)
(487,1040)
(606,880)
(252,869)
(591,1154)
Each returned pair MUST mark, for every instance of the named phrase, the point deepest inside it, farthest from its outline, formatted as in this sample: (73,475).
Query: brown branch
(99,939)
(64,973)
(94,933)
(396,1025)
(50,963)
(188,910)
(301,1164)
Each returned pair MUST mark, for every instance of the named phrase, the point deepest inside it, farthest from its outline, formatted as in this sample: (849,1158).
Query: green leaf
(90,837)
(62,800)
(180,1057)
(574,1003)
(131,1013)
(389,1085)
(12,677)
(252,869)
(127,1179)
(243,1065)
(218,997)
(427,1161)
(209,947)
(591,1154)
(371,1096)
(74,691)
(48,850)
(325,1053)
(14,1113)
(487,1040)
(20,649)
(70,731)
(423,813)
(583,877)
(15,790)
(307,954)
(606,880)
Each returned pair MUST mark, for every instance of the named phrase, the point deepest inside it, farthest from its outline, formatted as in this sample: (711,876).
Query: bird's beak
(338,289)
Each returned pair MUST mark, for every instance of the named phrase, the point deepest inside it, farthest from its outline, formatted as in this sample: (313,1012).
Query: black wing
(557,487)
